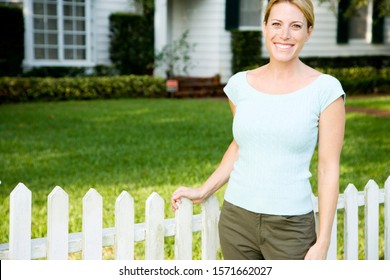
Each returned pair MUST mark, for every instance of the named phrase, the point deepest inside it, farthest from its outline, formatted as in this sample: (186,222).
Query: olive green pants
(246,235)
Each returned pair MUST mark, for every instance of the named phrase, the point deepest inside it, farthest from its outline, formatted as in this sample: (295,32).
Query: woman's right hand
(194,194)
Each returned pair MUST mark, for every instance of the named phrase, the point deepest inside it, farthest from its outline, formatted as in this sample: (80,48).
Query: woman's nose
(285,33)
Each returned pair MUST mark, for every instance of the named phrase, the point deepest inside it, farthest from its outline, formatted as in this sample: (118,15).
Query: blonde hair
(306,7)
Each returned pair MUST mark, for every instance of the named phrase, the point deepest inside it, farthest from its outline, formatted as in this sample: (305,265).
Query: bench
(197,87)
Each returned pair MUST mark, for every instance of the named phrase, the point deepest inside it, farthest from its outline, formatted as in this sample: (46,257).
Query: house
(67,32)
(76,33)
(209,23)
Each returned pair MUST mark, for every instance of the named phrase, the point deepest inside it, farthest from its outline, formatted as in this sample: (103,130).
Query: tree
(354,5)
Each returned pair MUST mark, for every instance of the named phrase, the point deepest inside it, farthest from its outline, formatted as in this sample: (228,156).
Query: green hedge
(246,48)
(132,43)
(358,80)
(79,88)
(361,80)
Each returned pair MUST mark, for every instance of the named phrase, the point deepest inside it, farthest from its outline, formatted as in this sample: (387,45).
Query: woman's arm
(217,179)
(331,137)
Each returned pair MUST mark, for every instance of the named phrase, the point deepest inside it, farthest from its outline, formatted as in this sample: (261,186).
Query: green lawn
(375,102)
(141,146)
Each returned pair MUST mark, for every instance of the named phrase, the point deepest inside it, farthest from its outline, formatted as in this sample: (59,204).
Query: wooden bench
(198,87)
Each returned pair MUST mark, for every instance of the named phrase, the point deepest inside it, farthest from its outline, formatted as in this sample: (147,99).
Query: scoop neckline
(303,88)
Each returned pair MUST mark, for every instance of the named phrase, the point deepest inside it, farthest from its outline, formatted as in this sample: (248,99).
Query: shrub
(246,48)
(132,43)
(79,88)
(361,80)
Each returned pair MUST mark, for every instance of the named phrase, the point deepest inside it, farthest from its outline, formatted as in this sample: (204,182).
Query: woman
(281,110)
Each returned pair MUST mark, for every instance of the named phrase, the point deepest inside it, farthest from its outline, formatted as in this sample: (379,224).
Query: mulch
(368,111)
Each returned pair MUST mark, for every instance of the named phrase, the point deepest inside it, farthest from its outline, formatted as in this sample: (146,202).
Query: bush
(246,48)
(11,40)
(361,80)
(132,43)
(79,88)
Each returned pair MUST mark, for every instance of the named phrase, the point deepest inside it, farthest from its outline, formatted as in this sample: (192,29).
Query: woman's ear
(309,32)
(263,27)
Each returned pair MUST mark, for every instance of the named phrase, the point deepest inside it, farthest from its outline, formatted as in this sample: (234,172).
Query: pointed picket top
(124,227)
(351,223)
(154,235)
(387,219)
(20,223)
(210,237)
(57,224)
(92,225)
(183,230)
(371,225)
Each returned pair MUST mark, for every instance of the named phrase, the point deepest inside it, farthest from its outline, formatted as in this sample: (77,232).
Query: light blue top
(277,135)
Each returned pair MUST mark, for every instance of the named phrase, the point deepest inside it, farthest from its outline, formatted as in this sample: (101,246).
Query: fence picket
(124,227)
(154,236)
(57,224)
(92,225)
(210,237)
(387,219)
(351,223)
(183,230)
(20,223)
(371,216)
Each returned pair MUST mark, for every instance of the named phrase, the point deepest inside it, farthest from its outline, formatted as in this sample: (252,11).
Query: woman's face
(286,32)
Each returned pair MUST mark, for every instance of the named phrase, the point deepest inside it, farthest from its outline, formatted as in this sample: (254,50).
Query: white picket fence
(58,243)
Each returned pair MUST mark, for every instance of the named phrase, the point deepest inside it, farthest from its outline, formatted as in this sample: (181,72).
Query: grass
(375,102)
(141,146)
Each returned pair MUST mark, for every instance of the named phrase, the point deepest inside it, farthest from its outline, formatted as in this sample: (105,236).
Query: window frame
(250,27)
(31,60)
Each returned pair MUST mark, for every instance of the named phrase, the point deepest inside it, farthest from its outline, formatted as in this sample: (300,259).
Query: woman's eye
(276,24)
(296,26)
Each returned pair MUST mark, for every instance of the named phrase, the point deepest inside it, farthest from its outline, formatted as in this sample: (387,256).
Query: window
(243,14)
(358,24)
(250,14)
(365,23)
(59,29)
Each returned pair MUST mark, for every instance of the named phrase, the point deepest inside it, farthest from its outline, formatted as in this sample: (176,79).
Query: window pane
(68,25)
(38,8)
(68,39)
(68,54)
(52,39)
(80,25)
(80,54)
(358,24)
(39,53)
(68,11)
(52,24)
(80,11)
(51,9)
(38,23)
(250,13)
(52,53)
(79,40)
(39,38)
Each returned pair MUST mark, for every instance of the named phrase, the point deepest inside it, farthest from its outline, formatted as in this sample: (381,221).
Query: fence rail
(59,243)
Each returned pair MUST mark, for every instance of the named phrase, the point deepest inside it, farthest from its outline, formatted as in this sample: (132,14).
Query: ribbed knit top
(277,135)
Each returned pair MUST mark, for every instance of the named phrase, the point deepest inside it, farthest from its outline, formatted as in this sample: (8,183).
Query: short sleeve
(331,90)
(231,88)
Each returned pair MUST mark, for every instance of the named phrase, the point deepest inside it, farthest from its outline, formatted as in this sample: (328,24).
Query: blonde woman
(281,111)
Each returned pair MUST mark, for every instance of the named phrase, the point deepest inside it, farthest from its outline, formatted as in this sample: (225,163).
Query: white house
(69,32)
(209,21)
(76,32)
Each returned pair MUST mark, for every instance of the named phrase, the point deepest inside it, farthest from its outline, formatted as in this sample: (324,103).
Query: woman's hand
(318,251)
(195,195)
